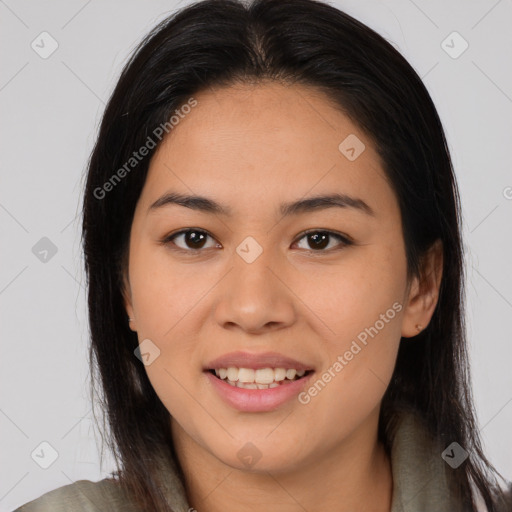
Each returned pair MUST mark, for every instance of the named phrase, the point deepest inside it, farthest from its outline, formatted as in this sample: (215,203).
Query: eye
(320,240)
(193,239)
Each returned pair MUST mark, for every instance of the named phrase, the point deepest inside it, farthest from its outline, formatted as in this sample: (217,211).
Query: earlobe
(127,297)
(131,320)
(424,292)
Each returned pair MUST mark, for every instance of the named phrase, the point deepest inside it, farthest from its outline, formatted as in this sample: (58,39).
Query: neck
(355,476)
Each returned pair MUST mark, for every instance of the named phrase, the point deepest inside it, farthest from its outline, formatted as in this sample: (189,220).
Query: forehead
(280,117)
(250,141)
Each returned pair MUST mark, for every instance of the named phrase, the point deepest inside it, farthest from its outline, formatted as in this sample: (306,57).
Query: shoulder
(421,478)
(83,495)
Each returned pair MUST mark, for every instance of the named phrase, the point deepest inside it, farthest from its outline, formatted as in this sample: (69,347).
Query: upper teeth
(260,376)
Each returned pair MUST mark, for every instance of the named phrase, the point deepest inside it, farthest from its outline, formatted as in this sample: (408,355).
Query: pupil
(192,237)
(320,240)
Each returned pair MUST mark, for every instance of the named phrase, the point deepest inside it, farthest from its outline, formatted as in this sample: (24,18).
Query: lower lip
(257,400)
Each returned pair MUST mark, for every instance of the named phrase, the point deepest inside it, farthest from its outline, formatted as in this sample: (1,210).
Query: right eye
(192,240)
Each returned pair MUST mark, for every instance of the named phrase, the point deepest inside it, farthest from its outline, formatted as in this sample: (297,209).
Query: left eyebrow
(325,201)
(207,205)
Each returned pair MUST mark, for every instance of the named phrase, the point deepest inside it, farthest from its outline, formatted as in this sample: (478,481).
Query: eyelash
(345,241)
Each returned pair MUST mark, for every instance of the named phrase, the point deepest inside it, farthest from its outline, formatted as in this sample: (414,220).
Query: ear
(423,292)
(127,298)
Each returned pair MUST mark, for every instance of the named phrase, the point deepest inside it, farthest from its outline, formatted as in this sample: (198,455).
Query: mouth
(260,378)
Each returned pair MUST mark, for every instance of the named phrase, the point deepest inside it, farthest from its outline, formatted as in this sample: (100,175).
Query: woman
(272,242)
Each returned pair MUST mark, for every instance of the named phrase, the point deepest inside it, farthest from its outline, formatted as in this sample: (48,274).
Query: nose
(254,297)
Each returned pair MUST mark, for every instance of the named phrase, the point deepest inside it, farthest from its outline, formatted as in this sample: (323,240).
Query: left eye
(321,239)
(318,240)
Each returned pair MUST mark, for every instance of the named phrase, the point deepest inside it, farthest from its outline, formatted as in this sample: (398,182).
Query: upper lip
(256,361)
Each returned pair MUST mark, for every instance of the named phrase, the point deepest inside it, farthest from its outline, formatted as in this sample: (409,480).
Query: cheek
(165,300)
(352,295)
(163,295)
(361,304)
(359,364)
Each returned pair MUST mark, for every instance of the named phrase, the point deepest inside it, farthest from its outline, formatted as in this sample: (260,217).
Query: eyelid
(345,239)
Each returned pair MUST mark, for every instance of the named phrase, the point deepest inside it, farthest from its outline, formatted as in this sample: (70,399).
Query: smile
(267,389)
(261,378)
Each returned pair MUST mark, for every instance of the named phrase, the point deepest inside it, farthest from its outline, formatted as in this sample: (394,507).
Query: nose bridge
(254,298)
(252,276)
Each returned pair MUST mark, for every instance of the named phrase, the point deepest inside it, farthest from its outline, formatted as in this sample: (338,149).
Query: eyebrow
(207,205)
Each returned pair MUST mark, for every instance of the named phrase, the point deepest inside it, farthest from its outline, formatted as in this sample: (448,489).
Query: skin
(251,147)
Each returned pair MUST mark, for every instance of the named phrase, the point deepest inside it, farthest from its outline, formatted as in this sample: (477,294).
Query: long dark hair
(223,42)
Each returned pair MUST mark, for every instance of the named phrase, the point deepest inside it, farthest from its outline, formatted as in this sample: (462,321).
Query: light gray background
(50,110)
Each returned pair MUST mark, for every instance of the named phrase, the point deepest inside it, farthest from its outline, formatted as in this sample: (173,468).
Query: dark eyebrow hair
(207,205)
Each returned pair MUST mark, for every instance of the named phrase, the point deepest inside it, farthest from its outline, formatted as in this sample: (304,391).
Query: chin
(258,456)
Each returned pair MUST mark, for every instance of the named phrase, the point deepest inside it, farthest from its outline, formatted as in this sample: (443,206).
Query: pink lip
(257,400)
(256,361)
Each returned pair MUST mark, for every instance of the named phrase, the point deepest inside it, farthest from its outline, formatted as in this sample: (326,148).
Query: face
(318,290)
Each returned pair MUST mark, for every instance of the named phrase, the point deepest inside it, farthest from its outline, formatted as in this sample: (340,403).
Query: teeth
(232,374)
(246,385)
(246,375)
(253,385)
(290,374)
(262,378)
(280,374)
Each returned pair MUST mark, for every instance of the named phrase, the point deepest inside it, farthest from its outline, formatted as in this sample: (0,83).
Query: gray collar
(420,482)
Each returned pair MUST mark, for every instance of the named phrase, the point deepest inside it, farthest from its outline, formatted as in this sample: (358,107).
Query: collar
(420,482)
